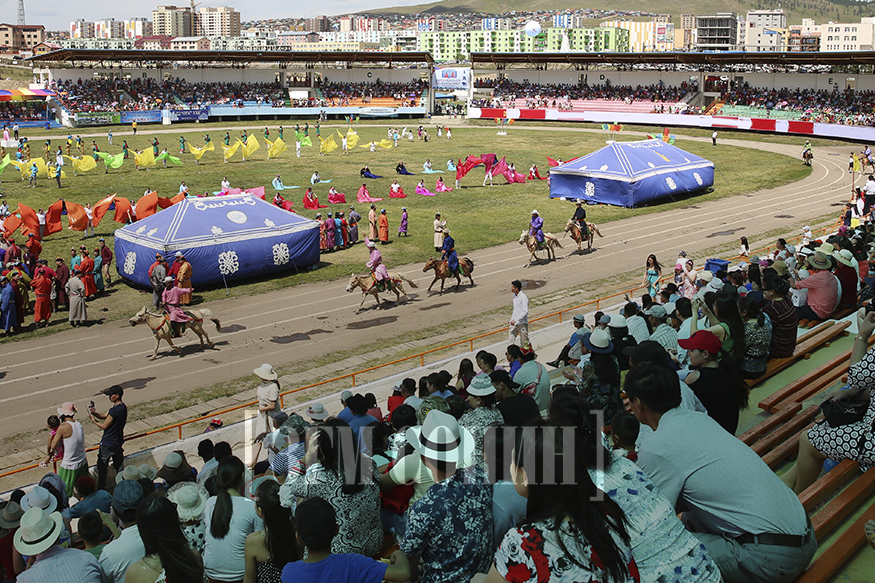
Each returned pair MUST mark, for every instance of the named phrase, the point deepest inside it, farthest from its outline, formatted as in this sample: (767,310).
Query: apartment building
(216,21)
(172,21)
(16,38)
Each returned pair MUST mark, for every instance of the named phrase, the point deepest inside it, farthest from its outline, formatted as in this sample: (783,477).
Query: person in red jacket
(42,309)
(86,266)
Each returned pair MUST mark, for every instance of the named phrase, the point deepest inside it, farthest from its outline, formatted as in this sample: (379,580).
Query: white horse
(532,244)
(161,328)
(368,285)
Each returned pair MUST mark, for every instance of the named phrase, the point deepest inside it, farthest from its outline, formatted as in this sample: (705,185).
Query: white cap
(534,212)
(168,279)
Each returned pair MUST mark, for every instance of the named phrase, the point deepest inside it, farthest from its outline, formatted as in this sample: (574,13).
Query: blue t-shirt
(347,568)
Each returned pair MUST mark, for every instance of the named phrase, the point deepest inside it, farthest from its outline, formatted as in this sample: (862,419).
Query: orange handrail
(421,356)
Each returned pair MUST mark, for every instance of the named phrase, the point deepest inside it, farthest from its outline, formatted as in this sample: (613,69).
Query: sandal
(870,533)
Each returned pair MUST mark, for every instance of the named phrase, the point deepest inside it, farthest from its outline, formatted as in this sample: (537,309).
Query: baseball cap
(605,319)
(279,416)
(647,351)
(295,423)
(657,311)
(502,376)
(345,395)
(703,340)
(113,390)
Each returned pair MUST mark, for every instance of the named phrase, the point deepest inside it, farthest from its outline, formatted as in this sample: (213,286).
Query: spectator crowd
(848,106)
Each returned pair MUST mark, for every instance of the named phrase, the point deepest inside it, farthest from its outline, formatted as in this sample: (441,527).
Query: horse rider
(807,148)
(375,264)
(580,219)
(536,228)
(448,253)
(170,300)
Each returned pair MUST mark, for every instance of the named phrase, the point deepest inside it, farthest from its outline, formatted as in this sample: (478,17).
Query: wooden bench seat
(825,486)
(787,430)
(770,424)
(839,552)
(843,505)
(820,336)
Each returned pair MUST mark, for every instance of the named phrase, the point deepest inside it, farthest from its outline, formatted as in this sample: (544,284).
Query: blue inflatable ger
(631,173)
(225,238)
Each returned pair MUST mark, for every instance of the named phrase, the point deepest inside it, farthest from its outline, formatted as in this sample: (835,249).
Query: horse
(807,156)
(368,285)
(442,271)
(531,244)
(160,325)
(571,227)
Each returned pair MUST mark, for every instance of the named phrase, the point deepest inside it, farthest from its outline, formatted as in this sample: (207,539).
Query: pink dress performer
(421,189)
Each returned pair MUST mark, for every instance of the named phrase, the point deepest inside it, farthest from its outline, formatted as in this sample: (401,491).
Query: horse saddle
(542,244)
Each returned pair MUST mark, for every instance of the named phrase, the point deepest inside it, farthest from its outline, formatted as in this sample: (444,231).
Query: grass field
(479,217)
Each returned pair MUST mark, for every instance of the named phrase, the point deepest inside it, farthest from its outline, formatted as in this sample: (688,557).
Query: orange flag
(178,198)
(147,206)
(124,213)
(11,224)
(164,202)
(53,218)
(28,217)
(100,209)
(76,216)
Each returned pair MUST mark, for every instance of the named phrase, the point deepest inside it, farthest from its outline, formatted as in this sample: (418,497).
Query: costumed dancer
(439,186)
(421,189)
(383,227)
(395,190)
(402,229)
(439,226)
(330,225)
(354,220)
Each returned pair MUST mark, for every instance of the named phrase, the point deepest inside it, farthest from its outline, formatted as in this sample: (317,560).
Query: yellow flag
(42,169)
(857,165)
(275,148)
(24,167)
(386,143)
(199,152)
(250,146)
(228,151)
(327,145)
(352,138)
(145,158)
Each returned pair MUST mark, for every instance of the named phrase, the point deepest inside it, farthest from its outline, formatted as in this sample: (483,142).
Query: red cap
(703,340)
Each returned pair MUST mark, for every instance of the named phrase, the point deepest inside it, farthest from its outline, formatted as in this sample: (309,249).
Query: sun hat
(440,438)
(480,386)
(534,211)
(129,473)
(791,249)
(67,408)
(707,276)
(175,467)
(716,284)
(703,340)
(647,351)
(345,395)
(295,423)
(371,244)
(657,311)
(844,256)
(11,515)
(605,319)
(37,531)
(617,321)
(266,372)
(190,500)
(599,341)
(148,471)
(579,318)
(780,267)
(178,254)
(39,497)
(168,279)
(503,377)
(819,261)
(317,412)
(825,248)
(670,307)
(806,251)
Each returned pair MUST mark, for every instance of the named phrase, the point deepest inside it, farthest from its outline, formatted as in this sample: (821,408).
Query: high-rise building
(348,23)
(430,25)
(717,32)
(646,37)
(767,18)
(688,21)
(496,24)
(138,28)
(172,21)
(81,29)
(109,28)
(567,20)
(318,24)
(216,21)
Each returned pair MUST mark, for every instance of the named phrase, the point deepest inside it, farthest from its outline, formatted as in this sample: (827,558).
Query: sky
(56,15)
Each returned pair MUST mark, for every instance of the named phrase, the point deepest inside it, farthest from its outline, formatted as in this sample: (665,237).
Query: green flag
(168,157)
(303,138)
(113,161)
(4,163)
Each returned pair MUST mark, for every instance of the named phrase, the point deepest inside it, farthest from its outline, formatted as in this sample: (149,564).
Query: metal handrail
(420,356)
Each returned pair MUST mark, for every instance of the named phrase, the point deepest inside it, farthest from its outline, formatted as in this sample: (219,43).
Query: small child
(317,526)
(624,433)
(53,423)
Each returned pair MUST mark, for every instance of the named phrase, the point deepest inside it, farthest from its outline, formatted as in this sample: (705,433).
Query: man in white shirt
(128,548)
(205,450)
(519,319)
(408,391)
(635,323)
(683,316)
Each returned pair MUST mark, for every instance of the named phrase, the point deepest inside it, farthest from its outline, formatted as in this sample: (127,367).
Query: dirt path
(316,319)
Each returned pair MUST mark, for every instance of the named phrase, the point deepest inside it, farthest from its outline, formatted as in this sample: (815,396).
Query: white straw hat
(480,386)
(441,438)
(37,531)
(266,372)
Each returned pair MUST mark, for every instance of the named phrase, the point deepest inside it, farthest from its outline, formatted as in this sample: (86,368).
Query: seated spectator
(624,433)
(176,469)
(89,498)
(598,378)
(754,528)
(849,279)
(191,501)
(782,313)
(90,531)
(621,339)
(636,324)
(464,376)
(483,414)
(578,322)
(514,355)
(324,472)
(823,441)
(373,410)
(662,333)
(290,445)
(822,286)
(37,537)
(450,527)
(230,518)
(757,339)
(486,362)
(10,517)
(205,450)
(268,441)
(345,414)
(268,551)
(515,408)
(408,391)
(358,406)
(681,320)
(437,385)
(169,557)
(533,378)
(725,323)
(317,526)
(127,549)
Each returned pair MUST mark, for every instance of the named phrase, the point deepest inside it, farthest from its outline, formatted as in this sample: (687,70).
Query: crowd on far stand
(848,106)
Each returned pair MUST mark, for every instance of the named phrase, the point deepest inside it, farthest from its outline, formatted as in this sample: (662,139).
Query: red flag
(499,167)
(147,206)
(165,202)
(552,162)
(124,212)
(28,217)
(259,192)
(101,209)
(178,198)
(53,218)
(76,216)
(488,160)
(10,225)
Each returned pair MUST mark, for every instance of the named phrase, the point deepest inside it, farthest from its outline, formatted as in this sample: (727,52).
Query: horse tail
(217,323)
(407,281)
(596,229)
(470,264)
(554,239)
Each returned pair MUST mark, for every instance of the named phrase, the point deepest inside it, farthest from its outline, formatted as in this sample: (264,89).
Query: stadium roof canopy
(500,60)
(233,57)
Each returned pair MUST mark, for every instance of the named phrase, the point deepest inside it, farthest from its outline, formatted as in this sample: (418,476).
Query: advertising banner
(97,118)
(452,78)
(189,114)
(152,116)
(379,111)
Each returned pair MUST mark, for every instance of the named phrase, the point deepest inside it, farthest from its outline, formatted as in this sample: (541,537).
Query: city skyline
(57,16)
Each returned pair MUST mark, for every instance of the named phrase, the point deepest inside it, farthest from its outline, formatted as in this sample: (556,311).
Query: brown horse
(807,156)
(571,227)
(531,244)
(368,285)
(442,271)
(160,325)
